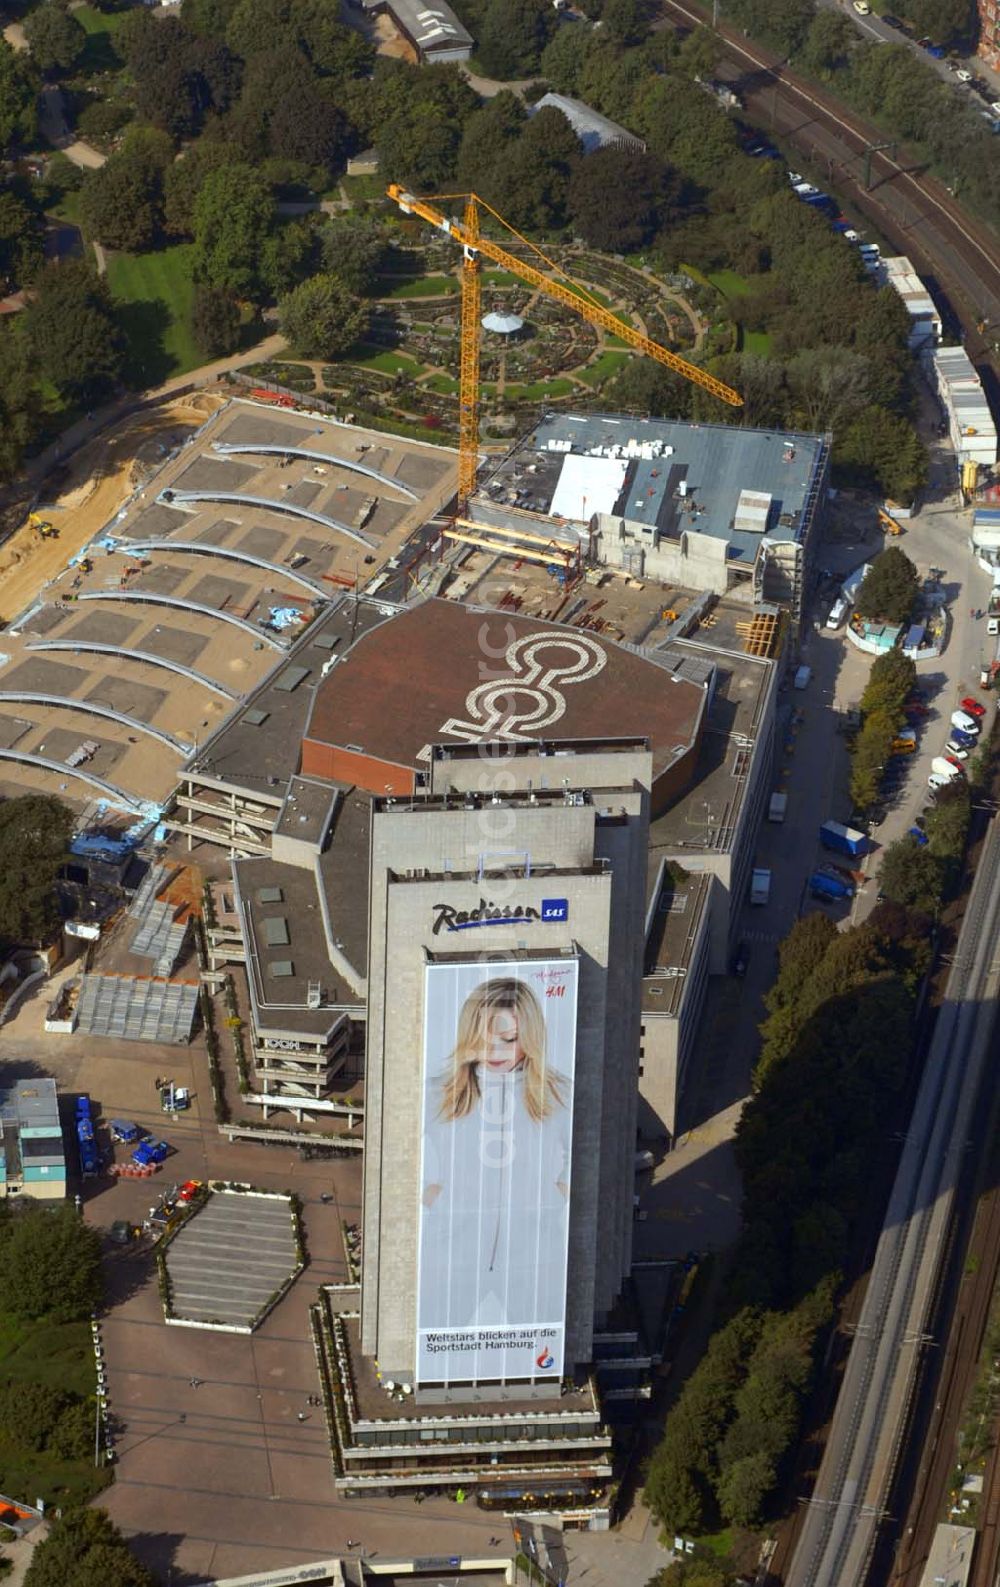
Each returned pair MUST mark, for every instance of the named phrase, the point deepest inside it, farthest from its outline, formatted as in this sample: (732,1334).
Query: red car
(189,1190)
(953,760)
(973,707)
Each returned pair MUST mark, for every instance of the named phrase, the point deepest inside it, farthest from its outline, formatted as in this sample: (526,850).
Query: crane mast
(468,235)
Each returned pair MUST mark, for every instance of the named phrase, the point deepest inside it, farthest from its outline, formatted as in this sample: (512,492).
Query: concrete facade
(589,841)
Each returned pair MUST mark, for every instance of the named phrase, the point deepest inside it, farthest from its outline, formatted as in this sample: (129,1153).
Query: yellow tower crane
(570,293)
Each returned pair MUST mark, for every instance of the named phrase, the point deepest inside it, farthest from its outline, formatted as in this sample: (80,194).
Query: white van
(838,611)
(964,722)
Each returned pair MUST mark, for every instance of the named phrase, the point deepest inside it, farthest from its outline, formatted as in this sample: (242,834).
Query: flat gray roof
(714,463)
(673,926)
(307,810)
(431,24)
(705,818)
(281,971)
(31,1104)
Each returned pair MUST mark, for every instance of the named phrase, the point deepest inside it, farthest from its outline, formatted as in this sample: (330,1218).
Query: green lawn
(442,384)
(61,1356)
(155,292)
(365,356)
(99,53)
(756,342)
(539,390)
(500,278)
(607,364)
(729,283)
(422,287)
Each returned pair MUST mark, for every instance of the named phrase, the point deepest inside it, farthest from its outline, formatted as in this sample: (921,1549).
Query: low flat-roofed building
(430,26)
(925,321)
(971,425)
(593,130)
(32,1155)
(678,961)
(707,506)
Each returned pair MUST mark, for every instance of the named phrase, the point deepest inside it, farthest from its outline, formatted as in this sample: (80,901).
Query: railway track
(913,210)
(845,1512)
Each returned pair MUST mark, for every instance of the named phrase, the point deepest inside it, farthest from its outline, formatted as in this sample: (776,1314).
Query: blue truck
(89,1159)
(823,885)
(845,840)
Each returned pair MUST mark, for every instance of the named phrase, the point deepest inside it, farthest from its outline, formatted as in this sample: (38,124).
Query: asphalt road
(913,212)
(848,1501)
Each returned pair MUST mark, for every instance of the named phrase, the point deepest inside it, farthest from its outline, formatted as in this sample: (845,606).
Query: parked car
(189,1191)
(893,22)
(150,1152)
(966,740)
(965,722)
(973,706)
(953,760)
(862,8)
(961,72)
(956,751)
(918,836)
(124,1130)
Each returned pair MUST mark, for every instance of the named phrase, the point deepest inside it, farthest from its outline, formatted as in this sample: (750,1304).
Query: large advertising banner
(499,1061)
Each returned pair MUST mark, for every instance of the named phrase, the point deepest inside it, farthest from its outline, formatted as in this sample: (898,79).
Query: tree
(882,449)
(34,832)
(55,38)
(947,821)
(892,677)
(22,234)
(513,35)
(889,588)
(624,22)
(86,1548)
(616,198)
(17,98)
(73,1434)
(354,247)
(828,385)
(19,417)
(321,318)
(829,42)
(72,328)
(215,321)
(674,1495)
(121,203)
(305,126)
(287,256)
(51,1264)
(743,1487)
(912,875)
(945,21)
(30,1413)
(182,182)
(232,216)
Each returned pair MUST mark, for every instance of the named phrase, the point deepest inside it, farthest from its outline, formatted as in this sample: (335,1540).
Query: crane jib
(568,292)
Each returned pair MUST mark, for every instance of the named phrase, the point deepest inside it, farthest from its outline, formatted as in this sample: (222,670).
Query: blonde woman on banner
(496,1156)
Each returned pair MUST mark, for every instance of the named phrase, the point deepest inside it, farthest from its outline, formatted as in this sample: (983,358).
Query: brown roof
(441,673)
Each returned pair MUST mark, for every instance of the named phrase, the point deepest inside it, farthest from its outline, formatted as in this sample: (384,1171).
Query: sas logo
(555,908)
(545,1361)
